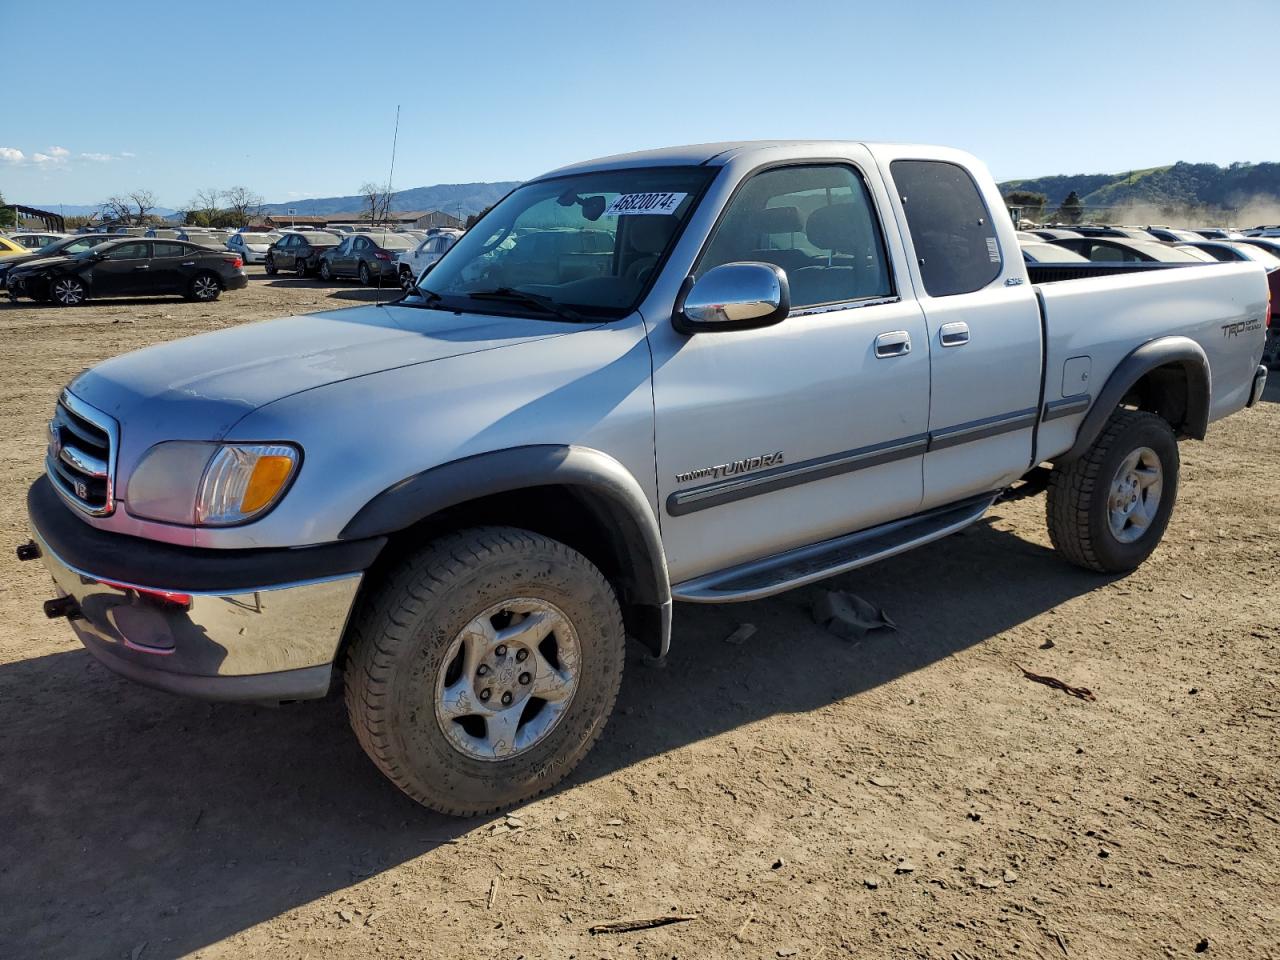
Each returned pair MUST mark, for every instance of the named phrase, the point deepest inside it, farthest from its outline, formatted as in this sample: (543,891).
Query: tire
(406,280)
(1082,525)
(269,265)
(364,274)
(204,287)
(68,291)
(413,633)
(326,272)
(300,266)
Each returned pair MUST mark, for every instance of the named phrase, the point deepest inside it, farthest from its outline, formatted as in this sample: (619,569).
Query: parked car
(1093,230)
(252,247)
(65,247)
(1055,234)
(426,252)
(214,239)
(162,233)
(1271,245)
(1172,235)
(371,257)
(298,251)
(1126,250)
(1042,252)
(129,267)
(461,504)
(34,241)
(1025,236)
(10,249)
(1220,233)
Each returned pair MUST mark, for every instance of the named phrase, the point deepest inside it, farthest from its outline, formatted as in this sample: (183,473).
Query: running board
(817,561)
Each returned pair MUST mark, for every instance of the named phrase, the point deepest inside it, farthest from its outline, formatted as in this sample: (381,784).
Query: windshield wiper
(430,296)
(533,299)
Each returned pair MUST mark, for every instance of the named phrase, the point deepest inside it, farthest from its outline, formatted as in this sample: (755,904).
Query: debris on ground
(879,780)
(741,635)
(1083,693)
(627,926)
(848,616)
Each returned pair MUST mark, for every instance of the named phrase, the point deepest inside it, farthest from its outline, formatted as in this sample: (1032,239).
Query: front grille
(81,457)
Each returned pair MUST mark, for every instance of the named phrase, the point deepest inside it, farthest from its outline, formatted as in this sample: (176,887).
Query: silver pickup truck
(709,374)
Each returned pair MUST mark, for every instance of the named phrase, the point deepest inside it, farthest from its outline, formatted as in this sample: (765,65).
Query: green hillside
(1178,186)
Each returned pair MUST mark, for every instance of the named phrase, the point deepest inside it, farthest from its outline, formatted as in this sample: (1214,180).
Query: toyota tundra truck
(706,374)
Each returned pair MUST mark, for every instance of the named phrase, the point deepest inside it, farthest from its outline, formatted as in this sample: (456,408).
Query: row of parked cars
(68,269)
(1057,246)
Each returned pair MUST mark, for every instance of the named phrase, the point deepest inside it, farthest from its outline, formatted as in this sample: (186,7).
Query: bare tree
(145,201)
(117,208)
(204,206)
(377,200)
(243,206)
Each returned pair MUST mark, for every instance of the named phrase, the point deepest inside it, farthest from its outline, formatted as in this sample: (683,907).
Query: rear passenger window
(169,250)
(951,228)
(817,223)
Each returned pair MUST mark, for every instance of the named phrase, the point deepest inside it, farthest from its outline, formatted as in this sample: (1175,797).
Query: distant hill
(1178,187)
(85,209)
(448,197)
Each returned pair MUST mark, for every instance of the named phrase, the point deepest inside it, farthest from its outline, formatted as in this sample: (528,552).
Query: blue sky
(300,106)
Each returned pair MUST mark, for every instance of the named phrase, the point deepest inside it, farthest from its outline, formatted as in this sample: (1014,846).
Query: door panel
(810,389)
(123,272)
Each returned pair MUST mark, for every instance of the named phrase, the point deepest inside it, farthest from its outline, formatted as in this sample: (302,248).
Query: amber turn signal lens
(269,474)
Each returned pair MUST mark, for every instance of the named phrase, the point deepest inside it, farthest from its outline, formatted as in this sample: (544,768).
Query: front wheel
(1108,509)
(406,280)
(69,292)
(269,265)
(484,669)
(300,266)
(326,272)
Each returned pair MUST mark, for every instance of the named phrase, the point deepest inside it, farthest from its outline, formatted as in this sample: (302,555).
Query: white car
(425,253)
(34,241)
(252,247)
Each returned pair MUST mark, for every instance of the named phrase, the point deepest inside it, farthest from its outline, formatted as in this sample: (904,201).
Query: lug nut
(485,694)
(482,670)
(522,655)
(506,699)
(501,651)
(525,678)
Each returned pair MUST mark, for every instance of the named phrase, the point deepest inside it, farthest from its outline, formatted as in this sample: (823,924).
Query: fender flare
(1163,351)
(424,494)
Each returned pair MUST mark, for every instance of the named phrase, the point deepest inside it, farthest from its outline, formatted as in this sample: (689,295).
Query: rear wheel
(69,292)
(484,669)
(205,288)
(364,273)
(1108,509)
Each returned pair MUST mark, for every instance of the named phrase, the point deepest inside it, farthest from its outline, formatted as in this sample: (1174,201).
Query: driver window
(817,223)
(128,251)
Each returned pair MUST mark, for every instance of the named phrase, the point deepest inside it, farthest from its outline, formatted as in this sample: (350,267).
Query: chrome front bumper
(271,644)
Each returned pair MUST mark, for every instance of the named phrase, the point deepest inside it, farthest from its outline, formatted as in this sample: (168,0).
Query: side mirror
(734,296)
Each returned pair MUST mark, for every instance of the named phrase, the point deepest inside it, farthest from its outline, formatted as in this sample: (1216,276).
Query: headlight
(210,484)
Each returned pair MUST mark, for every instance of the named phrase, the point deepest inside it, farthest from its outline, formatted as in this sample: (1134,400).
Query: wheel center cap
(505,678)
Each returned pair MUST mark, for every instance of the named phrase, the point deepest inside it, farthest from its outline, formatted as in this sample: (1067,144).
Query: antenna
(386,216)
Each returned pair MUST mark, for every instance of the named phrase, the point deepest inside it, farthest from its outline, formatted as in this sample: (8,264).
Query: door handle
(143,266)
(953,334)
(895,343)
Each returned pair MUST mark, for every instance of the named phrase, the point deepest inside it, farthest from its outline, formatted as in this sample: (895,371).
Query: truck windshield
(582,246)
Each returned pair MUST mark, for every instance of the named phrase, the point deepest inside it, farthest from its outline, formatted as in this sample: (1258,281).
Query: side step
(817,561)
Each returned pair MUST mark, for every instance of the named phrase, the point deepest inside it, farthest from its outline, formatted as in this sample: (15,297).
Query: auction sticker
(634,203)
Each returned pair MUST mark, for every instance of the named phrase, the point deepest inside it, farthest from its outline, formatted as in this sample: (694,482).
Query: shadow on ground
(355,292)
(145,817)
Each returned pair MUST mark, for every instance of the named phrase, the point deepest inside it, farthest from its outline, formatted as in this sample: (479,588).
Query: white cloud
(127,155)
(97,157)
(59,153)
(11,155)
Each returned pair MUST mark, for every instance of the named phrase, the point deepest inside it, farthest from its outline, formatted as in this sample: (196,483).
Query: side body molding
(1181,353)
(595,476)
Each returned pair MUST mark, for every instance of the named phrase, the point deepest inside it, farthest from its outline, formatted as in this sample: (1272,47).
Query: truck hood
(198,388)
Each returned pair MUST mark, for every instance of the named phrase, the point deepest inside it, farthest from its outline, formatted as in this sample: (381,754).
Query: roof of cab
(696,154)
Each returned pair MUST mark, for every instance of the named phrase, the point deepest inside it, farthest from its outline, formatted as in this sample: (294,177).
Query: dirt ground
(911,795)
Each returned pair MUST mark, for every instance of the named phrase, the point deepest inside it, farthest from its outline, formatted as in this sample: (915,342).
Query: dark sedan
(370,257)
(299,252)
(64,247)
(130,267)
